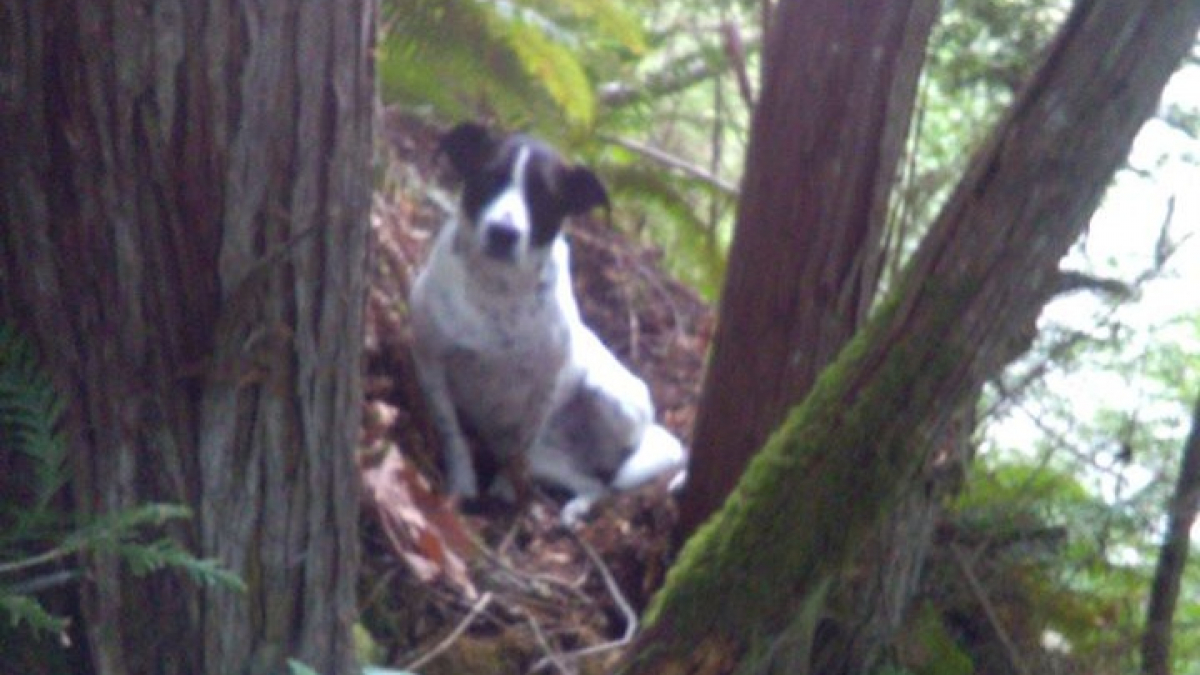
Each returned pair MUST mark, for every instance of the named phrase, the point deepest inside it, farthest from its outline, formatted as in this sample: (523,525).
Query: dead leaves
(422,528)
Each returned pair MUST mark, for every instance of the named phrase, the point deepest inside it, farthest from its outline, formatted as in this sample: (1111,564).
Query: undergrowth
(43,543)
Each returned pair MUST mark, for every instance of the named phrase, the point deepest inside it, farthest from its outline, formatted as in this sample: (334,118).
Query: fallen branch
(552,657)
(454,635)
(614,589)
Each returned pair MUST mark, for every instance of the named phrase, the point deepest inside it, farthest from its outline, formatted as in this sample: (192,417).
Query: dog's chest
(503,358)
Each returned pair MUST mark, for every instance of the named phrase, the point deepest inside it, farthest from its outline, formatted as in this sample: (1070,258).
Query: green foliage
(29,412)
(24,609)
(980,53)
(941,654)
(667,206)
(541,66)
(37,540)
(299,668)
(522,63)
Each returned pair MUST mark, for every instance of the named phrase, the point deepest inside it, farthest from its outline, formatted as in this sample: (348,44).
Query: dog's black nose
(501,240)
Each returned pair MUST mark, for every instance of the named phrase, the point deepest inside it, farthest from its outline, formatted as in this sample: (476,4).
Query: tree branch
(672,162)
(674,77)
(1070,281)
(1010,649)
(1173,557)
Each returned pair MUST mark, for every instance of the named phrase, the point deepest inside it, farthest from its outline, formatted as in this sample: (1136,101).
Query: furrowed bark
(839,86)
(965,304)
(840,89)
(183,233)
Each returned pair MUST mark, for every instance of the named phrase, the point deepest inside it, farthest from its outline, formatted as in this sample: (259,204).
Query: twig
(673,77)
(671,161)
(980,593)
(614,589)
(442,646)
(528,581)
(735,51)
(44,582)
(552,658)
(39,559)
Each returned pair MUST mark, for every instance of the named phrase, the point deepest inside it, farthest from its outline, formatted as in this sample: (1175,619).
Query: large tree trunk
(839,83)
(870,601)
(964,305)
(1173,557)
(183,231)
(840,87)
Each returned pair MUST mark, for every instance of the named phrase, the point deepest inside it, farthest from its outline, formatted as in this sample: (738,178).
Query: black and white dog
(500,347)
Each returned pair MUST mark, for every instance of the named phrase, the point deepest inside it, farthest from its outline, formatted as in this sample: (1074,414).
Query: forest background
(1064,492)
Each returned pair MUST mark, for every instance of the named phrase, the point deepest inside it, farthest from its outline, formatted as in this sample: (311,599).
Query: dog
(500,348)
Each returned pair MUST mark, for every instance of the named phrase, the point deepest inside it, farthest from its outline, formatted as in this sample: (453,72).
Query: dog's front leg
(456,453)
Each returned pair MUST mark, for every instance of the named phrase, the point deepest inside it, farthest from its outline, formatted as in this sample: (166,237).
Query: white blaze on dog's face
(516,193)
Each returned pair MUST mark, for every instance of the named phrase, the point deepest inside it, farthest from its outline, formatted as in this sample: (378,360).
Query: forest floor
(507,589)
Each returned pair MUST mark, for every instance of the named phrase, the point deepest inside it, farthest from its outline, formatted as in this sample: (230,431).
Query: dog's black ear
(466,145)
(582,191)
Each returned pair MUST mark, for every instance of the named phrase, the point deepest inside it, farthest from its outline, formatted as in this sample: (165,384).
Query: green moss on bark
(824,476)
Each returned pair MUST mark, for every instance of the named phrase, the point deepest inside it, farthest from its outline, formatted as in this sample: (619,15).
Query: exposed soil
(507,589)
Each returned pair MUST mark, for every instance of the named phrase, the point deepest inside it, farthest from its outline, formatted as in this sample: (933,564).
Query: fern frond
(516,61)
(109,531)
(167,553)
(670,203)
(553,65)
(608,23)
(23,609)
(30,409)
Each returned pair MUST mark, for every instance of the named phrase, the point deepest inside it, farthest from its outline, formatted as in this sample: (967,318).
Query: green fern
(670,203)
(524,63)
(168,554)
(35,536)
(22,609)
(30,409)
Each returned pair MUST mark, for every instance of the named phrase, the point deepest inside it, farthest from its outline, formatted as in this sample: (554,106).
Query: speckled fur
(500,346)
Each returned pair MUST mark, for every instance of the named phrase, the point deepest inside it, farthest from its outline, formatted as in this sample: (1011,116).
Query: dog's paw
(575,510)
(677,482)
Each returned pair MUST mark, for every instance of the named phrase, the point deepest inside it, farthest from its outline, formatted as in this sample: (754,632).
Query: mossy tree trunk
(839,85)
(1173,557)
(183,232)
(839,89)
(962,308)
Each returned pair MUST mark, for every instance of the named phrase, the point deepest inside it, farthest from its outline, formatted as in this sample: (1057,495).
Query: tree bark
(871,599)
(965,305)
(839,86)
(183,233)
(1173,557)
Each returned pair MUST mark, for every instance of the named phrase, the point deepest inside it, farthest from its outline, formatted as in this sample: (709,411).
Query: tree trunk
(832,124)
(871,599)
(839,86)
(1173,557)
(183,232)
(967,303)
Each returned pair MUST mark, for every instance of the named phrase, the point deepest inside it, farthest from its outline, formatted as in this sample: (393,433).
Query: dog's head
(516,193)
